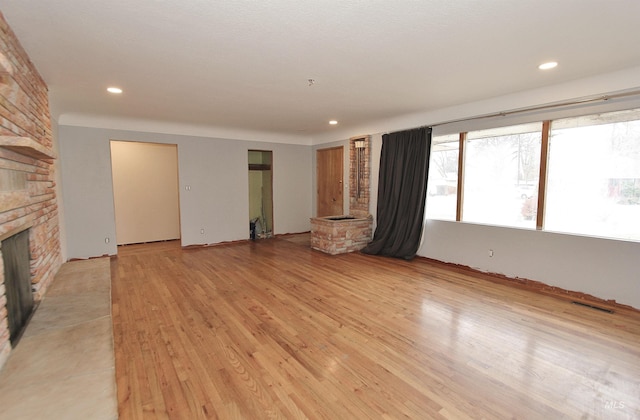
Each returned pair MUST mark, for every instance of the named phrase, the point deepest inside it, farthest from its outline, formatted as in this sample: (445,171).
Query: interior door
(329,179)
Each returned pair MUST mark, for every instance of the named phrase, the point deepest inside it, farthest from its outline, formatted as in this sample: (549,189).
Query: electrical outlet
(490,253)
(201,231)
(107,240)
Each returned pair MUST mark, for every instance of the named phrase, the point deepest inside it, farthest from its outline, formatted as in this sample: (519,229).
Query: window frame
(585,119)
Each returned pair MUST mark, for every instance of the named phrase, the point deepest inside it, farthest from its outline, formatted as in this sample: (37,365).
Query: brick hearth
(340,236)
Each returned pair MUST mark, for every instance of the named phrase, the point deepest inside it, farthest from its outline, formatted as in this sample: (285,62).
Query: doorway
(330,183)
(145,191)
(260,194)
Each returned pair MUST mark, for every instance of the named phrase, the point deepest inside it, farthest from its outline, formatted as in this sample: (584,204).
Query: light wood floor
(272,329)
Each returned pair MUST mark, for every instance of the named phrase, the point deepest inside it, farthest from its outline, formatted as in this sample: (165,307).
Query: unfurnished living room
(340,209)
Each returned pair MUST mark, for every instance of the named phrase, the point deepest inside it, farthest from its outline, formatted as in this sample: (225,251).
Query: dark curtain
(402,189)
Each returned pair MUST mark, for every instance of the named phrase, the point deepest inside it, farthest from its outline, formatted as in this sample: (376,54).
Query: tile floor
(63,366)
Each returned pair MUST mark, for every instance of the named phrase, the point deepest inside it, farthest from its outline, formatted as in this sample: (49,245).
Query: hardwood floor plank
(272,329)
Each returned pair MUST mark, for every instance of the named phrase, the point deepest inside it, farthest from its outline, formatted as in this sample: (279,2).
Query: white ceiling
(245,64)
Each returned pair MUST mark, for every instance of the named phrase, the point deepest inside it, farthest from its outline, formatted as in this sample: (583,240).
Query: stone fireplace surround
(27,170)
(25,203)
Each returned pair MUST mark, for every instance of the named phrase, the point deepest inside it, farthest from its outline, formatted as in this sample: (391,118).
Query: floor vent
(597,308)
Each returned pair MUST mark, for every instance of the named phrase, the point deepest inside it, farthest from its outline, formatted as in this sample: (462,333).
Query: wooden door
(329,179)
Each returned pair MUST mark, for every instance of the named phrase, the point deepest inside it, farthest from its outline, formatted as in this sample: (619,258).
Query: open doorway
(145,191)
(260,194)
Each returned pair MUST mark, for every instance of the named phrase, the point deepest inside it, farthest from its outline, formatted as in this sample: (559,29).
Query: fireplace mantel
(10,233)
(26,146)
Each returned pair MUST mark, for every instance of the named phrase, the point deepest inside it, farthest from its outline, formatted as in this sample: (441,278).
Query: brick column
(359,170)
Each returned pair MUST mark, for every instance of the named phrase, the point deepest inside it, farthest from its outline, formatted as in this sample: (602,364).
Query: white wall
(216,170)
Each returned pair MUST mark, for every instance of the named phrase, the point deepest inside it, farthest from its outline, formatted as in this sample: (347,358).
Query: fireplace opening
(17,283)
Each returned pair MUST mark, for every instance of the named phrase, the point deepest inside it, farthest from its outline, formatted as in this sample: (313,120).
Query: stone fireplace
(28,205)
(28,210)
(340,234)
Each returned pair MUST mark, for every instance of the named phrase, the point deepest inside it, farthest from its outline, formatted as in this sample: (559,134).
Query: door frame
(262,167)
(116,196)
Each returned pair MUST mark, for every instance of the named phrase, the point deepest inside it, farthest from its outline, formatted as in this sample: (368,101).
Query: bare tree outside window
(501,174)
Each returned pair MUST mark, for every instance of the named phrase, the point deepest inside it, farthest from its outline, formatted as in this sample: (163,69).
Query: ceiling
(246,64)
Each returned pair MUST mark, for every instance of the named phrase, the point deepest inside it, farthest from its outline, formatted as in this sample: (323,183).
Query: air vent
(597,308)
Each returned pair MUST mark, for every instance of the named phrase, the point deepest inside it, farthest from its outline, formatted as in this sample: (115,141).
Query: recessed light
(114,90)
(333,122)
(547,66)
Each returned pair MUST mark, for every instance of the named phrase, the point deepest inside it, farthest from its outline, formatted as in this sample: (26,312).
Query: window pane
(443,178)
(502,167)
(594,176)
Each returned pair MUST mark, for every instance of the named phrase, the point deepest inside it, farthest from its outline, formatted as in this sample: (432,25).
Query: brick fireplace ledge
(341,234)
(26,146)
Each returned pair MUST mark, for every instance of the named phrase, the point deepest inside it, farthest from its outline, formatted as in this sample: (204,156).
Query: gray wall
(607,269)
(216,170)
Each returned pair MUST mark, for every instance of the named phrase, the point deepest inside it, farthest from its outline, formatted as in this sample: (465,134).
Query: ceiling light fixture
(333,122)
(547,66)
(114,90)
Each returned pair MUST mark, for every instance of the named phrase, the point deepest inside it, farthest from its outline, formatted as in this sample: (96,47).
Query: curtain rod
(542,107)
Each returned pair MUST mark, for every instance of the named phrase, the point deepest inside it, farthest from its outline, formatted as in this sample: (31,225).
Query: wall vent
(597,308)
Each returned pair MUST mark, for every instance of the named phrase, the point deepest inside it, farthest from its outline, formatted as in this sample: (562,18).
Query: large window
(501,174)
(592,179)
(443,178)
(593,185)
